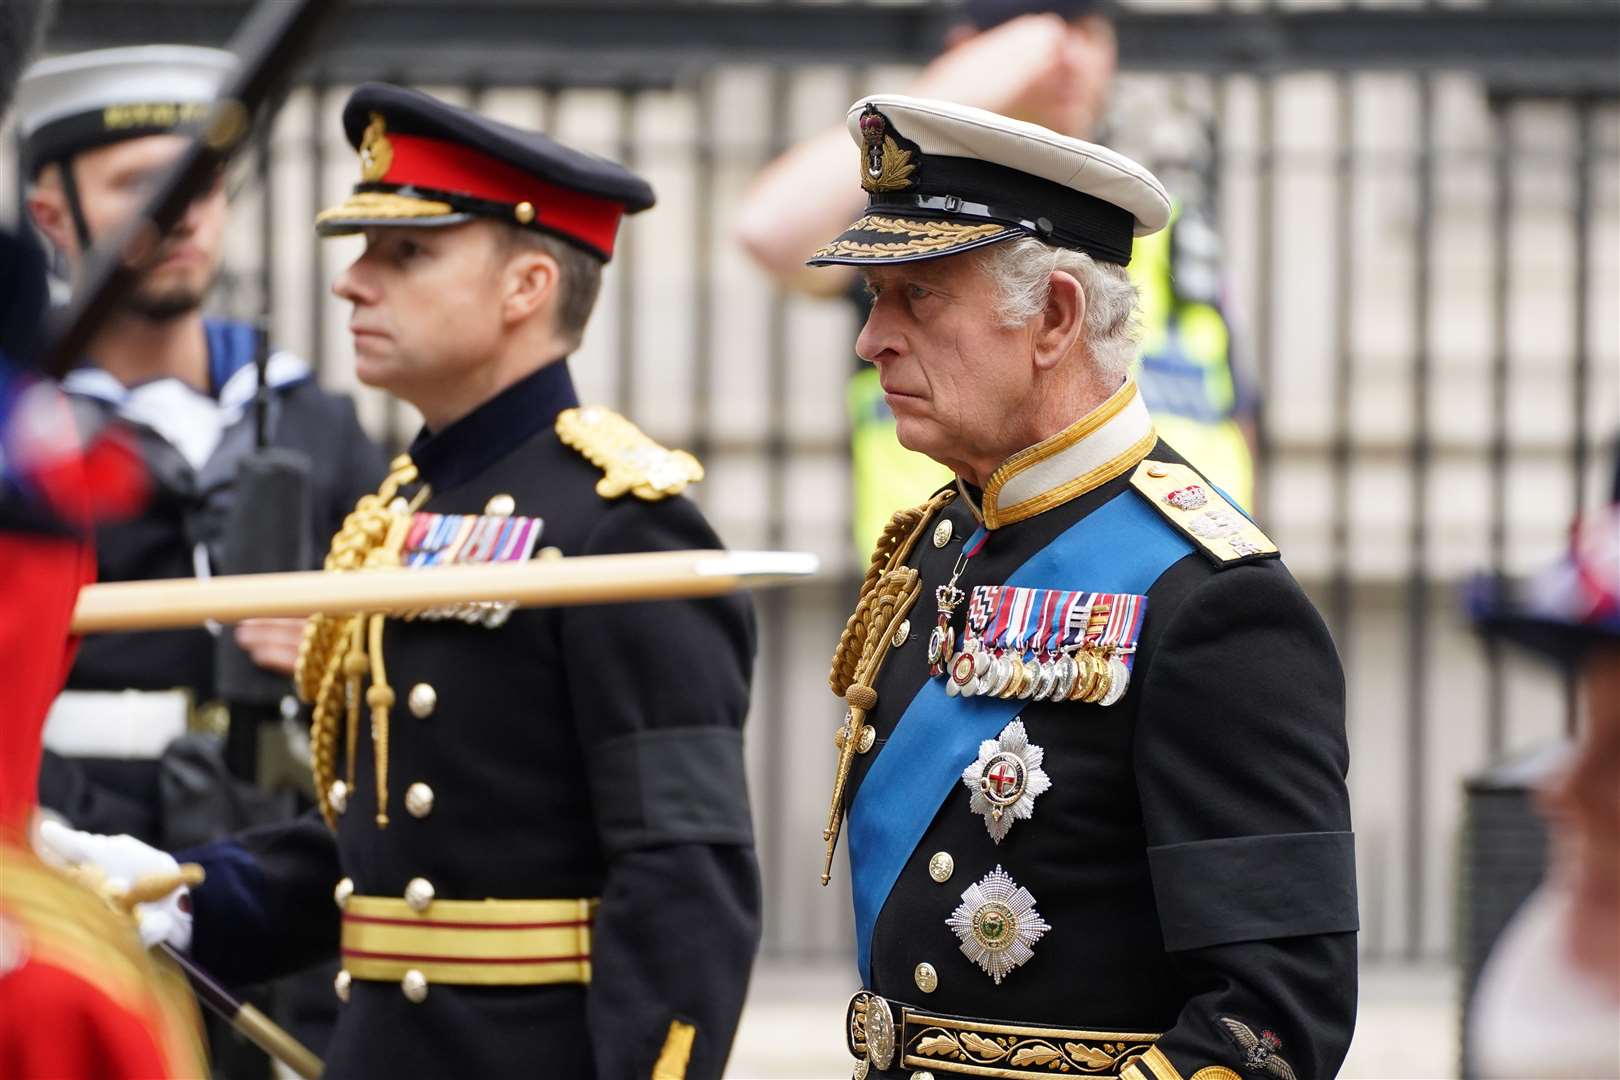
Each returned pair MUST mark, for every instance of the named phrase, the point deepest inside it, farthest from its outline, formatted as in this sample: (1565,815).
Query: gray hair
(1021,270)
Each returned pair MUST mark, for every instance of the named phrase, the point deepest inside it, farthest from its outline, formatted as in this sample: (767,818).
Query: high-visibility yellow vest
(1184,364)
(1184,369)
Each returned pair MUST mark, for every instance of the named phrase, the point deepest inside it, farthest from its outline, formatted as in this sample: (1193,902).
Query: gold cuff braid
(333,657)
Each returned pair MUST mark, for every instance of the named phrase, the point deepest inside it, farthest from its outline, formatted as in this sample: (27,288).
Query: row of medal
(1041,645)
(469,539)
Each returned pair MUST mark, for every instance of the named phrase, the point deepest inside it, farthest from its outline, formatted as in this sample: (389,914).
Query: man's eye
(407,249)
(917,292)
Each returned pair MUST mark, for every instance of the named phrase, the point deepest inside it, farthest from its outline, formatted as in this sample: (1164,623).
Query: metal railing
(1421,214)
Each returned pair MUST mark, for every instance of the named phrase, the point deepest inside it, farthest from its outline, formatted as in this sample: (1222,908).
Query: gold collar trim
(1105,443)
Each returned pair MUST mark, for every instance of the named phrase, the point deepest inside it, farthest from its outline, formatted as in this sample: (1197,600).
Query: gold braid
(888,591)
(332,658)
(894,546)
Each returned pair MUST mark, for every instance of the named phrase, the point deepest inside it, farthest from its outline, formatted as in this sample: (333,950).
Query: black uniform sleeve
(266,907)
(659,692)
(1240,760)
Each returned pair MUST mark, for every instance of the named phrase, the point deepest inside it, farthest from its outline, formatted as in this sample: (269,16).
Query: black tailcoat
(573,752)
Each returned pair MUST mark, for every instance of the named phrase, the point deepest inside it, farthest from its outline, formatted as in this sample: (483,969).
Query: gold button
(423,699)
(1157,471)
(524,212)
(926,978)
(419,800)
(901,632)
(340,983)
(419,894)
(942,532)
(502,505)
(415,985)
(868,737)
(550,554)
(344,890)
(922,1074)
(941,866)
(338,796)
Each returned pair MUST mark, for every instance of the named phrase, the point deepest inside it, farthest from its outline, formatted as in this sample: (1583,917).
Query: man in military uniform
(98,128)
(1093,765)
(1050,62)
(543,860)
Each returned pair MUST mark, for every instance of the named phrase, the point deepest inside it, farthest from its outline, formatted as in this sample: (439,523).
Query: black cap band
(69,135)
(1050,212)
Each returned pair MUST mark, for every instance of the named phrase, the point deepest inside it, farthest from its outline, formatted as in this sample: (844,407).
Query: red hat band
(440,165)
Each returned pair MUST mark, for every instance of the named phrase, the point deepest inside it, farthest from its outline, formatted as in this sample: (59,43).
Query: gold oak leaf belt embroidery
(1122,547)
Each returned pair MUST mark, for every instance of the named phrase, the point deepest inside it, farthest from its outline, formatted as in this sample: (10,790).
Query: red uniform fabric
(56,1024)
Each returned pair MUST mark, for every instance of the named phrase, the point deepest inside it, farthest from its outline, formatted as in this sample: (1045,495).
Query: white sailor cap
(943,178)
(71,103)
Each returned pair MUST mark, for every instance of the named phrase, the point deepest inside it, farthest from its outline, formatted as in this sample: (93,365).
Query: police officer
(1051,62)
(543,860)
(98,128)
(1093,764)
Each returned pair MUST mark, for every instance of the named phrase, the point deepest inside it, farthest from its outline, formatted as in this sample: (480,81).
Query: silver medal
(997,923)
(1006,779)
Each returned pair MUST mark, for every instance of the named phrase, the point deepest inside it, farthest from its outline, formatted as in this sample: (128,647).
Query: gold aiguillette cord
(886,608)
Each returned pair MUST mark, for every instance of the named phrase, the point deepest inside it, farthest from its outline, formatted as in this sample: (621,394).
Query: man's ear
(1058,327)
(529,283)
(47,205)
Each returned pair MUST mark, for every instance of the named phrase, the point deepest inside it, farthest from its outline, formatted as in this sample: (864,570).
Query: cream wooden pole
(586,579)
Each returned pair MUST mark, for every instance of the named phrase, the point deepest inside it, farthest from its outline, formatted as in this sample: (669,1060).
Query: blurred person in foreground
(79,996)
(98,130)
(1050,62)
(1555,970)
(1094,760)
(540,856)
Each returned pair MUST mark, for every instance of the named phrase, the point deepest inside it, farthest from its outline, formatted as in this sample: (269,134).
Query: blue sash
(1122,546)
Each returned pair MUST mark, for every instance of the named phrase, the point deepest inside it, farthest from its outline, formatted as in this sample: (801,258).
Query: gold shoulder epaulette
(631,461)
(1193,505)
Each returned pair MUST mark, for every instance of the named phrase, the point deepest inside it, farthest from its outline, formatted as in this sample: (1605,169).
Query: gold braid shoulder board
(338,651)
(630,460)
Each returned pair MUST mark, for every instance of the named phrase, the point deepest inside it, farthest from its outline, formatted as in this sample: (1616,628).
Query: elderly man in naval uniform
(1093,763)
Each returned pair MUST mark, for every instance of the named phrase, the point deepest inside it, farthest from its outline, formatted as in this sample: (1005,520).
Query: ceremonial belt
(1122,546)
(883,1034)
(137,725)
(469,942)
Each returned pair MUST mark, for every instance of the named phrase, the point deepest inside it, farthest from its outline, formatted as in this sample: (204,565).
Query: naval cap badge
(997,923)
(1005,779)
(885,164)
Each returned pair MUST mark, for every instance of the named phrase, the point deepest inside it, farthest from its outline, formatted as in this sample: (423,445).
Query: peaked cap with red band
(424,163)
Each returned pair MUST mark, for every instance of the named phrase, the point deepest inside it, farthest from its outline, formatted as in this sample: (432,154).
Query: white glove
(125,860)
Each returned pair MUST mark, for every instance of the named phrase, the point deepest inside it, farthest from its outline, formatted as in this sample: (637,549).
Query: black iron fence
(1422,218)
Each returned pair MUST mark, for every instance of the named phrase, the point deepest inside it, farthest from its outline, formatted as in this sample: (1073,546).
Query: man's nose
(877,342)
(350,285)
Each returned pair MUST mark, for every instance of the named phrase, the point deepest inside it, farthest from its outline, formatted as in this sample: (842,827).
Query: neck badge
(997,923)
(1005,780)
